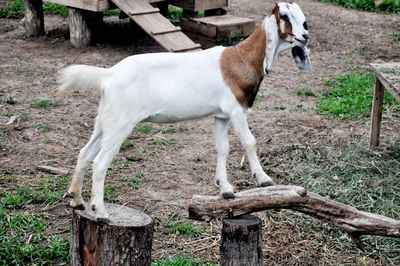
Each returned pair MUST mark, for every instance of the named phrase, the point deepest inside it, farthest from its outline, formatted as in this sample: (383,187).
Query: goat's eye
(285,17)
(305,25)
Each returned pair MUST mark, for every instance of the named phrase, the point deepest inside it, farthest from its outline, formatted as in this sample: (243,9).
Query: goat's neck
(263,46)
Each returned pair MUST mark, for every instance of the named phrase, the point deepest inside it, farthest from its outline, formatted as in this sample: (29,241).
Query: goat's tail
(81,76)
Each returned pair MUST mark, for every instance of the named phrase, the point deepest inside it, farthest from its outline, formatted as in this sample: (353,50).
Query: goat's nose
(305,36)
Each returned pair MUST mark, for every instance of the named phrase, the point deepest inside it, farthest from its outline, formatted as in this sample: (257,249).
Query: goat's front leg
(239,121)
(222,144)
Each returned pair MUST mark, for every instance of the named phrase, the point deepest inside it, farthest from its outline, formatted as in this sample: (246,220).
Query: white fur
(162,88)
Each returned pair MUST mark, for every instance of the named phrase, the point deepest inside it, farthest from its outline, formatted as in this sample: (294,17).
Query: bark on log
(348,218)
(33,20)
(79,27)
(241,241)
(125,240)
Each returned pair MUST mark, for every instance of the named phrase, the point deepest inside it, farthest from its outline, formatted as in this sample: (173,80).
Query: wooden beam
(347,218)
(376,114)
(33,20)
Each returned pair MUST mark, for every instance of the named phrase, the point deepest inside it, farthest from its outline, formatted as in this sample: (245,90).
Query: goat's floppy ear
(300,55)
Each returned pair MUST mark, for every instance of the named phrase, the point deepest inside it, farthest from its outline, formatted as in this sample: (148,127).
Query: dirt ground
(179,160)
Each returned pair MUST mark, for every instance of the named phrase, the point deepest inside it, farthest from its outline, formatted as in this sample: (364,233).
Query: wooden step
(199,5)
(219,27)
(157,26)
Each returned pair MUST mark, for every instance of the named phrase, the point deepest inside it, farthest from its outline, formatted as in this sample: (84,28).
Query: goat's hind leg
(113,136)
(86,156)
(222,144)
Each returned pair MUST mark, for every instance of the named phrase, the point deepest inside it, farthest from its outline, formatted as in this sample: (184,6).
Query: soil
(179,160)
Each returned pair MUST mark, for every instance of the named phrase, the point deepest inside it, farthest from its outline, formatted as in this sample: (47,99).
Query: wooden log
(79,27)
(199,5)
(241,241)
(345,217)
(33,20)
(125,240)
(376,114)
(53,170)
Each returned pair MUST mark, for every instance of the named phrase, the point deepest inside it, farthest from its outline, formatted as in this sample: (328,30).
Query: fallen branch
(348,218)
(53,170)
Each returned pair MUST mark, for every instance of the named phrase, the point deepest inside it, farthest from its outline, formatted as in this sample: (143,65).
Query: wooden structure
(387,76)
(125,240)
(241,241)
(347,218)
(147,14)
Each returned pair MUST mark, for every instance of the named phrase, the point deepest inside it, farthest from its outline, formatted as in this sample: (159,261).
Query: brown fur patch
(242,67)
(288,26)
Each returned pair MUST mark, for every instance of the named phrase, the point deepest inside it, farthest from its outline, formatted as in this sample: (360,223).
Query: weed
(8,114)
(111,193)
(16,199)
(15,10)
(45,127)
(182,128)
(186,229)
(135,182)
(128,144)
(55,9)
(388,6)
(175,13)
(23,117)
(180,261)
(349,96)
(303,91)
(47,141)
(2,143)
(395,36)
(112,12)
(44,103)
(160,143)
(144,128)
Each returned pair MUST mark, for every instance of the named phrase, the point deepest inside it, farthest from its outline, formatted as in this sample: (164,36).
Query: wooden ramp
(156,25)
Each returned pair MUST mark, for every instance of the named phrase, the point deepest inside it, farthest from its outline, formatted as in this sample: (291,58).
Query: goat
(166,88)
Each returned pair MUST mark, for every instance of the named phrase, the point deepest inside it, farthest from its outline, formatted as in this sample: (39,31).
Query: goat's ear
(300,55)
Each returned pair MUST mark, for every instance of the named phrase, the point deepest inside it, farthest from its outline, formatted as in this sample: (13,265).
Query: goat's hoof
(267,183)
(93,207)
(228,195)
(69,195)
(80,207)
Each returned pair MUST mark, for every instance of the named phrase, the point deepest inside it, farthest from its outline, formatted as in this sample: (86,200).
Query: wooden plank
(92,5)
(376,114)
(220,27)
(199,5)
(171,39)
(389,76)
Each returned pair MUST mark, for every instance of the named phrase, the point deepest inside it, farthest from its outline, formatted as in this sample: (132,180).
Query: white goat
(167,87)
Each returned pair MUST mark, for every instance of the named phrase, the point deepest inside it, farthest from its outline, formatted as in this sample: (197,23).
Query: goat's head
(293,30)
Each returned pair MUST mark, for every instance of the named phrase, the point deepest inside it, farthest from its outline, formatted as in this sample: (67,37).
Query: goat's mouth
(301,42)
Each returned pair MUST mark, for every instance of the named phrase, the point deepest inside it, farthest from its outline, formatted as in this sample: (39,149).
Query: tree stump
(79,27)
(241,241)
(125,240)
(33,20)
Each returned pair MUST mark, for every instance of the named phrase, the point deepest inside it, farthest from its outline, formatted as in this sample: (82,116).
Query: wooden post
(79,27)
(376,114)
(33,19)
(125,240)
(241,241)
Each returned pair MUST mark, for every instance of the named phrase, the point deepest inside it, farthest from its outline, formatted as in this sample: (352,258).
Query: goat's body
(167,88)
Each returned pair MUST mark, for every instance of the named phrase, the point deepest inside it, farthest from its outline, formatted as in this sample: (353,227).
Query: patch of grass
(303,91)
(186,229)
(23,241)
(15,10)
(44,103)
(55,9)
(128,144)
(112,12)
(388,6)
(144,128)
(16,199)
(180,261)
(44,127)
(349,96)
(111,193)
(175,13)
(363,178)
(160,143)
(395,36)
(8,114)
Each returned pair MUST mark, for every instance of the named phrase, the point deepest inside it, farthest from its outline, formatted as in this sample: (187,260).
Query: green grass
(45,127)
(388,6)
(144,128)
(186,229)
(303,91)
(180,261)
(23,240)
(44,103)
(175,13)
(363,178)
(349,96)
